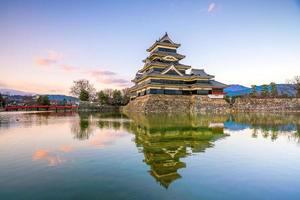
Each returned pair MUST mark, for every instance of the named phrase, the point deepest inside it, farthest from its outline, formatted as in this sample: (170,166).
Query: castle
(163,74)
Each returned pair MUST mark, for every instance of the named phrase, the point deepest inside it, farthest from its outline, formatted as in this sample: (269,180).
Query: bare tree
(83,85)
(296,84)
(109,92)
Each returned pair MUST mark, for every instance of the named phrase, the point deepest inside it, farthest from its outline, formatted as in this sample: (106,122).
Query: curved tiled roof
(162,53)
(164,41)
(200,72)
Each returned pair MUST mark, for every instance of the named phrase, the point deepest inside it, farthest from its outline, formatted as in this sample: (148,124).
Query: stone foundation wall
(266,105)
(203,104)
(88,106)
(176,104)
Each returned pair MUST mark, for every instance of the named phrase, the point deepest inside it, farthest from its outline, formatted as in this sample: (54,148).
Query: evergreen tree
(84,95)
(64,102)
(103,97)
(264,90)
(253,91)
(274,91)
(46,101)
(43,100)
(2,101)
(39,100)
(116,98)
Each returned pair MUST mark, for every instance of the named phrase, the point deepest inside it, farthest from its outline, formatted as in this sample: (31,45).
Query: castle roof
(162,54)
(164,41)
(201,73)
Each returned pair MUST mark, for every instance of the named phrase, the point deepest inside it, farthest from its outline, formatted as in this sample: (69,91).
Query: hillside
(240,90)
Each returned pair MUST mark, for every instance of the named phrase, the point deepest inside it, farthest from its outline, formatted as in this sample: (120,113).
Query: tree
(109,92)
(46,100)
(84,95)
(274,91)
(81,87)
(102,97)
(296,84)
(126,96)
(253,91)
(43,100)
(39,100)
(2,101)
(64,102)
(116,98)
(264,90)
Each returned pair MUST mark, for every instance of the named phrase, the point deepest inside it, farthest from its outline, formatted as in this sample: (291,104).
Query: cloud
(66,148)
(51,58)
(52,159)
(2,84)
(68,68)
(109,78)
(211,7)
(105,138)
(96,73)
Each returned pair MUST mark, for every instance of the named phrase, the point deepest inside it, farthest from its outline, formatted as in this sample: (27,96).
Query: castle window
(166,50)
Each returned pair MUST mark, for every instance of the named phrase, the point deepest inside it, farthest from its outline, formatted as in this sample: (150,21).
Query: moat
(49,155)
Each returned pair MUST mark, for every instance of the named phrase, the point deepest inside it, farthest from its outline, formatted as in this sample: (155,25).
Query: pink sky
(45,45)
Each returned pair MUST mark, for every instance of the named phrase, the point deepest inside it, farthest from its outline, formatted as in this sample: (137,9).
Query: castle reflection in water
(166,139)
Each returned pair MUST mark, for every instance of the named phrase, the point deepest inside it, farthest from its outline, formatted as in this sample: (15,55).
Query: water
(112,156)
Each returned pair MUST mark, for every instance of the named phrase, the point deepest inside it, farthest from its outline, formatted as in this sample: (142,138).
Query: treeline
(86,92)
(113,97)
(271,90)
(266,91)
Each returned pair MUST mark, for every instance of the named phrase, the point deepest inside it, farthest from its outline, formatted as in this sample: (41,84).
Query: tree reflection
(269,125)
(88,122)
(81,128)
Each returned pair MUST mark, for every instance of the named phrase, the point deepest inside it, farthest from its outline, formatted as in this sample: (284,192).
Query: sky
(46,45)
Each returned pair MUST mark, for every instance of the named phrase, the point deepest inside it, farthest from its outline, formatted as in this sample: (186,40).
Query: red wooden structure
(40,107)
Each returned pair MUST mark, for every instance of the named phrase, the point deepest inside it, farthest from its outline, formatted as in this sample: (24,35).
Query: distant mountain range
(52,97)
(240,90)
(13,92)
(58,97)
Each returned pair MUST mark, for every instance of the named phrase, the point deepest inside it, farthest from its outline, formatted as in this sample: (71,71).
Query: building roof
(164,41)
(157,63)
(166,38)
(201,73)
(162,64)
(162,53)
(155,73)
(218,84)
(172,67)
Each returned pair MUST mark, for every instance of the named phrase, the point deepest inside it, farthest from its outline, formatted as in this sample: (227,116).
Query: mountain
(15,92)
(240,90)
(18,96)
(237,90)
(60,98)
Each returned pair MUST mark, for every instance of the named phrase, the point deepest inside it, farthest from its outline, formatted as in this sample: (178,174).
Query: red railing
(37,107)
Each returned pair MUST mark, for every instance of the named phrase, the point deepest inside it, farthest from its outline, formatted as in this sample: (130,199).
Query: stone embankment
(266,105)
(203,104)
(176,104)
(88,106)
